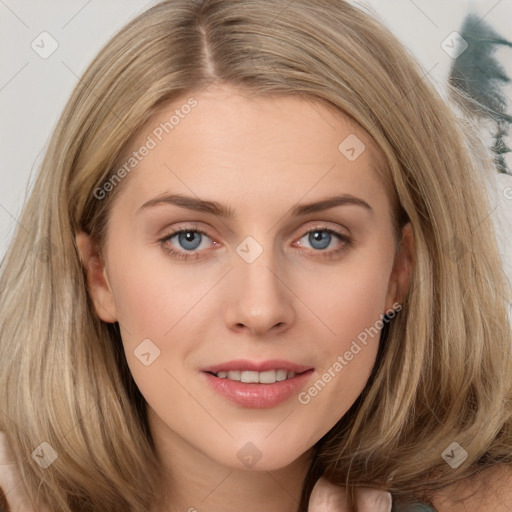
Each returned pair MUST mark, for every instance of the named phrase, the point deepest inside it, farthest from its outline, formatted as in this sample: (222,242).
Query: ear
(97,278)
(402,269)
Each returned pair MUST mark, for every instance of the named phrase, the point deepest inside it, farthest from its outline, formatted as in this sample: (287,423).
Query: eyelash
(186,255)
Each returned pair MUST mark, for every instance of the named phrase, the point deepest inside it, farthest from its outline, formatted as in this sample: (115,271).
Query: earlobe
(97,278)
(402,269)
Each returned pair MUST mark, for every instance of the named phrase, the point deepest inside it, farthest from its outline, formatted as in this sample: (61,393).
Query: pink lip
(257,396)
(246,365)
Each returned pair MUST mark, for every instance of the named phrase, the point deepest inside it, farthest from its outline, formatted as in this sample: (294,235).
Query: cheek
(160,301)
(150,294)
(349,298)
(144,308)
(350,305)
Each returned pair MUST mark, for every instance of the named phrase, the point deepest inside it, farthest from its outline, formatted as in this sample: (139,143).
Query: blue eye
(321,237)
(323,240)
(189,240)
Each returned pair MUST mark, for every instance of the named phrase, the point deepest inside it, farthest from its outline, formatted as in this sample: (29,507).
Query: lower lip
(258,396)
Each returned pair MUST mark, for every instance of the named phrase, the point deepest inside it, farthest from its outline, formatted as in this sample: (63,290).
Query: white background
(33,90)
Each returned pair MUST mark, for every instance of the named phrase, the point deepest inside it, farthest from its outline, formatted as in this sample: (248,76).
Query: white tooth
(249,377)
(234,375)
(281,375)
(268,377)
(252,377)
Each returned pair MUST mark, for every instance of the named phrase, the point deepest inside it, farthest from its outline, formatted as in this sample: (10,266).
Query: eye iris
(321,236)
(187,237)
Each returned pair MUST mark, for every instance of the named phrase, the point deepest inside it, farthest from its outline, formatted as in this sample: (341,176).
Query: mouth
(257,385)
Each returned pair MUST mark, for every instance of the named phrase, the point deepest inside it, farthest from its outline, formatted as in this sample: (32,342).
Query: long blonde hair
(444,368)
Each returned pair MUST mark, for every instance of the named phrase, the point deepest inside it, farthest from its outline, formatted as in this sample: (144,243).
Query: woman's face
(273,275)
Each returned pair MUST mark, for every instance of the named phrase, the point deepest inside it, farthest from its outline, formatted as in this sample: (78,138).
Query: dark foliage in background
(479,74)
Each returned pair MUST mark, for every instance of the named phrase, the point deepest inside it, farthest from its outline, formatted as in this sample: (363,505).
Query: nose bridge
(261,299)
(257,265)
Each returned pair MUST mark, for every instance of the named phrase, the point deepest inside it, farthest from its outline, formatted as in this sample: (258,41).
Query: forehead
(225,141)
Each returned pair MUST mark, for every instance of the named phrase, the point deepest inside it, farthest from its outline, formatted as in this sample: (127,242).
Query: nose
(260,297)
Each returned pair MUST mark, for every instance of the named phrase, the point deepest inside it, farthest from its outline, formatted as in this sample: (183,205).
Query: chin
(263,456)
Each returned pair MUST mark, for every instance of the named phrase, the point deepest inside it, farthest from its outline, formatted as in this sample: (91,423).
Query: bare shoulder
(489,491)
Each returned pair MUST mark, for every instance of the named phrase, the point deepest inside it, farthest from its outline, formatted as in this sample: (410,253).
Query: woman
(156,374)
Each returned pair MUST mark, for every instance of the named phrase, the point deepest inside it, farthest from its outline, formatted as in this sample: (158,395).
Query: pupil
(321,236)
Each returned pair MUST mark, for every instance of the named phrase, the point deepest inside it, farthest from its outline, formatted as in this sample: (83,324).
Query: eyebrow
(215,208)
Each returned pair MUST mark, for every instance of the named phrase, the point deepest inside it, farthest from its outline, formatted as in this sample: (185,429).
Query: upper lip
(255,366)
